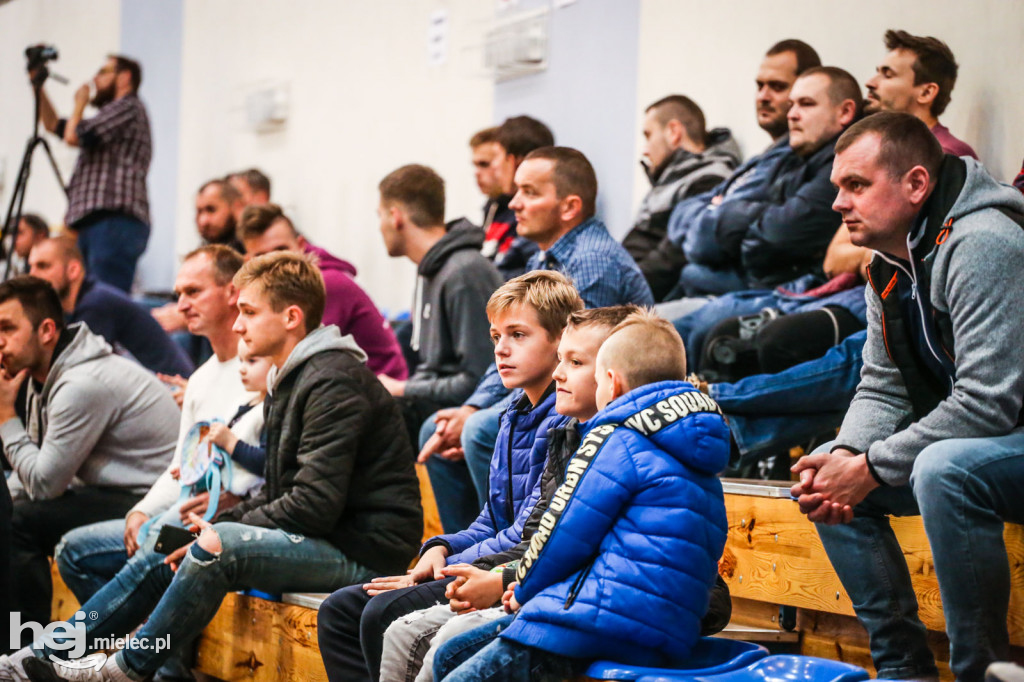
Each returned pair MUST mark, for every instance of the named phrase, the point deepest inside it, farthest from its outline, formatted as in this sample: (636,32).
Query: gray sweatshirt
(98,420)
(978,279)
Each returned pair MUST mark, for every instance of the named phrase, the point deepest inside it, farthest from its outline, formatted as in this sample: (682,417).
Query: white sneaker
(92,668)
(11,669)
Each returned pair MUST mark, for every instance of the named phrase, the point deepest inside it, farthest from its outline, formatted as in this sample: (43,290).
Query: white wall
(711,50)
(363,100)
(84,33)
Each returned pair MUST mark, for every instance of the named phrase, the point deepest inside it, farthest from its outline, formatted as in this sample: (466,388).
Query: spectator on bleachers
(93,434)
(512,141)
(265,228)
(108,311)
(934,426)
(555,205)
(32,229)
(608,578)
(341,501)
(527,316)
(681,159)
(453,284)
(782,232)
(782,64)
(253,187)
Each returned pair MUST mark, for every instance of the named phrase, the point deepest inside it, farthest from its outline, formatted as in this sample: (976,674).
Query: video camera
(38,55)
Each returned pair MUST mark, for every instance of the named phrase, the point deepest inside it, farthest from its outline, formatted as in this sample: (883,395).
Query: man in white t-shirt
(90,556)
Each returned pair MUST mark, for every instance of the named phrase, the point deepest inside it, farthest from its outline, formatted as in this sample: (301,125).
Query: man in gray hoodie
(935,426)
(94,433)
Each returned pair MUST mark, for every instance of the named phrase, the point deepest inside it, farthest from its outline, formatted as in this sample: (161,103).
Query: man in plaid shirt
(107,201)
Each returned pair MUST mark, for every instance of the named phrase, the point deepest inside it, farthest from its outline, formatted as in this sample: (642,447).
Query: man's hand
(446,441)
(433,447)
(178,384)
(82,97)
(9,387)
(208,540)
(508,600)
(131,531)
(472,589)
(393,386)
(717,200)
(388,583)
(831,485)
(169,318)
(200,503)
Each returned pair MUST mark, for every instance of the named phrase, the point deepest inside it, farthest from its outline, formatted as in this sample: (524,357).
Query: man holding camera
(107,201)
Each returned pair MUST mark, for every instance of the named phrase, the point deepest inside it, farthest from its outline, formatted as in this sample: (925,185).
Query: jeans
(90,556)
(179,605)
(481,655)
(461,488)
(37,527)
(769,411)
(351,625)
(964,489)
(111,244)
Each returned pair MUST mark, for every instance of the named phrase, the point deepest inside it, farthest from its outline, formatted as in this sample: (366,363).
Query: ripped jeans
(179,605)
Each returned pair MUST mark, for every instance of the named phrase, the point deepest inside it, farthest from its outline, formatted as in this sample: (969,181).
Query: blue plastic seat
(710,656)
(779,668)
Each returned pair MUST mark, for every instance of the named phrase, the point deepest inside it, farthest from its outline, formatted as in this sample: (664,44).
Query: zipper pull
(913,291)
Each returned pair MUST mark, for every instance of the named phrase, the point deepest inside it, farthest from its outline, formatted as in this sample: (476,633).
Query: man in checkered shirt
(107,201)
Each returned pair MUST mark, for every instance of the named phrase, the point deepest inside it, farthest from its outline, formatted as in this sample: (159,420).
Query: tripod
(10,228)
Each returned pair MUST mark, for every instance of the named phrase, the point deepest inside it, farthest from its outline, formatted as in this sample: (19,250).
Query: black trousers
(5,563)
(36,528)
(351,626)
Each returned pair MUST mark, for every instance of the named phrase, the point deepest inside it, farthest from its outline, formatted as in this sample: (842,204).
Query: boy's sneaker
(11,667)
(92,668)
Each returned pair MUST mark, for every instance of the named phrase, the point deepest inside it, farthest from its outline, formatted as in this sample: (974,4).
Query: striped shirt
(110,174)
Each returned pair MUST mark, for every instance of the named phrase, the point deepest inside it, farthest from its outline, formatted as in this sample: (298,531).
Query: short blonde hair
(549,293)
(287,279)
(644,348)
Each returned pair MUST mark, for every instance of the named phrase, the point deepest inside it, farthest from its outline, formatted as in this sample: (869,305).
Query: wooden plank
(431,519)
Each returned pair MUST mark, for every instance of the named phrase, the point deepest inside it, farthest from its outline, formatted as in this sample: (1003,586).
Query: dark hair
(419,189)
(256,220)
(572,174)
(227,192)
(224,260)
(36,224)
(483,137)
(905,140)
(684,110)
(128,64)
(933,63)
(520,135)
(37,297)
(806,56)
(254,177)
(842,86)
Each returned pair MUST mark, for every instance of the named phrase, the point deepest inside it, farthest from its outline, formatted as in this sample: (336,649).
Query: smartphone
(172,538)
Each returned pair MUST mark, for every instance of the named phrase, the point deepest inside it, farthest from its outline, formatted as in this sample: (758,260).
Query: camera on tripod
(38,55)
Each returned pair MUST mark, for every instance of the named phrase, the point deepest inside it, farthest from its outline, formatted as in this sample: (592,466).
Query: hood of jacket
(721,147)
(461,234)
(81,346)
(328,261)
(980,191)
(317,341)
(659,411)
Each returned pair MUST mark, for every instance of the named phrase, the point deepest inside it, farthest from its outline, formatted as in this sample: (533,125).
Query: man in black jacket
(340,503)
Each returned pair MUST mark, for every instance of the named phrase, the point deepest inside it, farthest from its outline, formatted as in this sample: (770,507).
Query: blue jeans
(179,605)
(460,488)
(964,490)
(769,411)
(111,245)
(481,654)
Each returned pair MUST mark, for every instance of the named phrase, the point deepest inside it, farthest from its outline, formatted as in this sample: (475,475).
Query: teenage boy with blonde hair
(527,316)
(339,487)
(627,552)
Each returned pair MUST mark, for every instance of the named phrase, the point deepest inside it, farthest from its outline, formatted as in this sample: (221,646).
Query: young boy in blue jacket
(627,552)
(527,315)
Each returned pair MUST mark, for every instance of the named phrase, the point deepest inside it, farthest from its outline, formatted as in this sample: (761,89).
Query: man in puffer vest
(935,426)
(624,559)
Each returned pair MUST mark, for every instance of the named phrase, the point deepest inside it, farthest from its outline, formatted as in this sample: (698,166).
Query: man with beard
(107,201)
(126,326)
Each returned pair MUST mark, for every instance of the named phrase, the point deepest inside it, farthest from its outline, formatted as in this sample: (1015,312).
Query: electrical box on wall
(518,46)
(266,108)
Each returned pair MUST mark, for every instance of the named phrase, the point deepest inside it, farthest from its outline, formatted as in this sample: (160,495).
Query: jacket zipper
(509,508)
(577,585)
(912,274)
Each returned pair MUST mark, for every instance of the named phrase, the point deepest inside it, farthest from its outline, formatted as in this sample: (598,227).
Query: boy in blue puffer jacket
(624,559)
(527,316)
